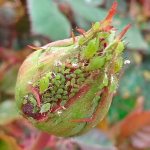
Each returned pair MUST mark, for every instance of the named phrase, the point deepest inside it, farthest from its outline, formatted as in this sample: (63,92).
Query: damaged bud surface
(66,87)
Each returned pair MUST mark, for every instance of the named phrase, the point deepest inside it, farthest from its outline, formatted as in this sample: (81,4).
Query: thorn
(126,28)
(82,120)
(111,12)
(126,44)
(81,31)
(34,47)
(36,94)
(73,37)
(124,38)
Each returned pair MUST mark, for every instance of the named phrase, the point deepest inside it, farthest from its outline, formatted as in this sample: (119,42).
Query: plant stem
(41,141)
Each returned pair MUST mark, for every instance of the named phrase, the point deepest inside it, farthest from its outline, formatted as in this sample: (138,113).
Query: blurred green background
(38,22)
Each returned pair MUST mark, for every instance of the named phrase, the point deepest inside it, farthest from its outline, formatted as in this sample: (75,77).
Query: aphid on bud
(66,87)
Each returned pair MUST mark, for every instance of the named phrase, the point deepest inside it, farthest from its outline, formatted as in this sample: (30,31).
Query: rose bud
(66,87)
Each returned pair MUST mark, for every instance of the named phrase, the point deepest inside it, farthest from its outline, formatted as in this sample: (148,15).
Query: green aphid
(58,96)
(53,92)
(63,79)
(43,84)
(111,36)
(25,101)
(120,47)
(65,98)
(80,80)
(33,100)
(35,109)
(67,71)
(47,94)
(96,26)
(108,56)
(75,90)
(118,64)
(45,107)
(65,92)
(76,86)
(81,41)
(57,83)
(71,95)
(73,81)
(55,88)
(73,75)
(96,99)
(96,63)
(61,68)
(57,69)
(60,91)
(49,75)
(68,76)
(57,77)
(90,50)
(62,86)
(105,80)
(81,75)
(63,103)
(113,84)
(40,66)
(68,83)
(78,71)
(45,100)
(54,99)
(65,87)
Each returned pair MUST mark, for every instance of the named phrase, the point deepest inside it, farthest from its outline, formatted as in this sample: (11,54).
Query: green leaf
(120,108)
(47,20)
(131,82)
(7,85)
(94,3)
(8,112)
(86,11)
(98,141)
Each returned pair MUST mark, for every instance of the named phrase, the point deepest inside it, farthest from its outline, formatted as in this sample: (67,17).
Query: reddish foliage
(133,123)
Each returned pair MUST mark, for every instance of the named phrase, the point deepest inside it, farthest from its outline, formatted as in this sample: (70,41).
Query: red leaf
(133,123)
